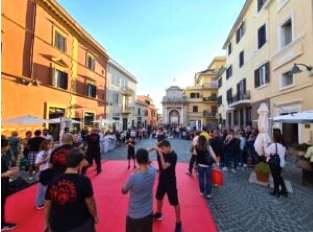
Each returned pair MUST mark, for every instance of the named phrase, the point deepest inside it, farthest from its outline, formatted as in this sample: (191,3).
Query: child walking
(131,151)
(42,163)
(167,181)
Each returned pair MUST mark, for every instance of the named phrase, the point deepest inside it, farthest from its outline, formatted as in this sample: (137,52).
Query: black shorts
(169,189)
(131,155)
(139,225)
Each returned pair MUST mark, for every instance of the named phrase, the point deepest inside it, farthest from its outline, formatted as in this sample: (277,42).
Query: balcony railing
(127,91)
(239,97)
(211,85)
(209,114)
(126,110)
(211,98)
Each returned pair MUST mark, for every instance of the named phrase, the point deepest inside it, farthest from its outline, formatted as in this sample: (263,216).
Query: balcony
(240,99)
(209,114)
(211,98)
(126,110)
(212,85)
(127,91)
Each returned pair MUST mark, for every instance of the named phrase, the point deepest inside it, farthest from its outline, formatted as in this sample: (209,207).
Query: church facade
(174,107)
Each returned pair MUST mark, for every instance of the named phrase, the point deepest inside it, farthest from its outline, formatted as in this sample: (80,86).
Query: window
(115,79)
(229,49)
(261,36)
(240,32)
(91,90)
(220,82)
(260,4)
(248,116)
(90,62)
(139,111)
(115,98)
(241,59)
(229,72)
(241,117)
(195,109)
(241,89)
(286,33)
(286,80)
(59,41)
(229,94)
(213,110)
(60,79)
(236,116)
(194,95)
(219,100)
(262,75)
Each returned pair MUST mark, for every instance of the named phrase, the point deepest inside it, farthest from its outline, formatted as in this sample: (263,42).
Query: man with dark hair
(131,151)
(46,135)
(34,148)
(70,203)
(216,143)
(167,181)
(93,150)
(140,184)
(5,175)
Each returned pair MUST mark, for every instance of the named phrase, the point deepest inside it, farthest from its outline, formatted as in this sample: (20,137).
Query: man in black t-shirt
(167,181)
(93,150)
(70,205)
(34,147)
(131,151)
(160,137)
(5,174)
(58,155)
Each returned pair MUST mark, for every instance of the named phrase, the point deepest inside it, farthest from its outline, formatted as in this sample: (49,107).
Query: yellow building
(266,40)
(202,97)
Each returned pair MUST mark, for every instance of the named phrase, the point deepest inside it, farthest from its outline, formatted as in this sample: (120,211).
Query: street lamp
(295,69)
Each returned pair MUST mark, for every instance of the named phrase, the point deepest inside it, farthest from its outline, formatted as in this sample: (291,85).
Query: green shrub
(263,168)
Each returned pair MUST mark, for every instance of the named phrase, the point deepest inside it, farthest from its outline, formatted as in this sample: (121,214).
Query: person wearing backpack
(275,154)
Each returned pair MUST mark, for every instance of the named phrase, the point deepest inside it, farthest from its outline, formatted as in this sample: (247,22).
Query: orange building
(152,114)
(51,67)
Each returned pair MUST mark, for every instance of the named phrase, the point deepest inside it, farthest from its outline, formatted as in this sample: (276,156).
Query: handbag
(46,176)
(274,159)
(217,176)
(304,165)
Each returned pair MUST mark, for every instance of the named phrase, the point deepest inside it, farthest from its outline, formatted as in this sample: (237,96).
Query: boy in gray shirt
(140,206)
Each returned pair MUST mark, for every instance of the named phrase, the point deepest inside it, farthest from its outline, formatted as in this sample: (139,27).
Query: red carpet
(112,205)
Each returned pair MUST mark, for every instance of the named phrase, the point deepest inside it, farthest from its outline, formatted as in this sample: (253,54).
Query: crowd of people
(66,194)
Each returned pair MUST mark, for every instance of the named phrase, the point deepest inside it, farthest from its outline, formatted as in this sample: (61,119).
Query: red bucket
(217,176)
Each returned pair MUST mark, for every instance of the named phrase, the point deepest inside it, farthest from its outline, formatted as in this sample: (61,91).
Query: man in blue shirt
(140,206)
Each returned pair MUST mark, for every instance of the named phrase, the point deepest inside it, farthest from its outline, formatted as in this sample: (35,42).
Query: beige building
(266,40)
(121,92)
(202,97)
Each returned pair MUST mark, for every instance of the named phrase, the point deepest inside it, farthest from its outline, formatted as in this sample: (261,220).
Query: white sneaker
(201,193)
(244,165)
(233,171)
(224,169)
(188,172)
(209,196)
(30,178)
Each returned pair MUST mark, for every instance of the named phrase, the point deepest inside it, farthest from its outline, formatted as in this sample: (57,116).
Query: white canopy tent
(305,117)
(26,120)
(59,120)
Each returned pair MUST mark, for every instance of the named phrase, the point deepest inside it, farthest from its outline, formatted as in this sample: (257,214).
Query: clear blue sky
(158,40)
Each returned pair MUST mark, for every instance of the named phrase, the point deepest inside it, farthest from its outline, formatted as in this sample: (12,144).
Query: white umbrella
(263,139)
(301,117)
(59,120)
(25,120)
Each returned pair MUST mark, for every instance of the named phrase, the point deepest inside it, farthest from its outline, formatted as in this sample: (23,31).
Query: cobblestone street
(241,206)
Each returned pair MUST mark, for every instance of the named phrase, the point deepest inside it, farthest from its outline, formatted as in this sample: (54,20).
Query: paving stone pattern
(239,206)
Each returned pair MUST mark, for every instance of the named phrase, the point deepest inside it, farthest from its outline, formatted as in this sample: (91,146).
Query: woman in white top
(42,163)
(277,148)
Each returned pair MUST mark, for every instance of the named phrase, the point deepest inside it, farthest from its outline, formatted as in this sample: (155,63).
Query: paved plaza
(241,206)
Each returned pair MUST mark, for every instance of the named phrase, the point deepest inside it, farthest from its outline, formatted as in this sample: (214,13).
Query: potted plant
(262,171)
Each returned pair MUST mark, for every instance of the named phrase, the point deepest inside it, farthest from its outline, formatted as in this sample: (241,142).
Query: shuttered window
(262,75)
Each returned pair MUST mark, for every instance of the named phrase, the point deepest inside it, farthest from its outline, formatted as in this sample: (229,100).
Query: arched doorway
(174,117)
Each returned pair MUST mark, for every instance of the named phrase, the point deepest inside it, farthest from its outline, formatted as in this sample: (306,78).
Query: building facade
(140,114)
(202,97)
(267,39)
(121,92)
(152,112)
(51,67)
(174,107)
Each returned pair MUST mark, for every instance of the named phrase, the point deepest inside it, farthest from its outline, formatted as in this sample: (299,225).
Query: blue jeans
(231,157)
(205,180)
(40,197)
